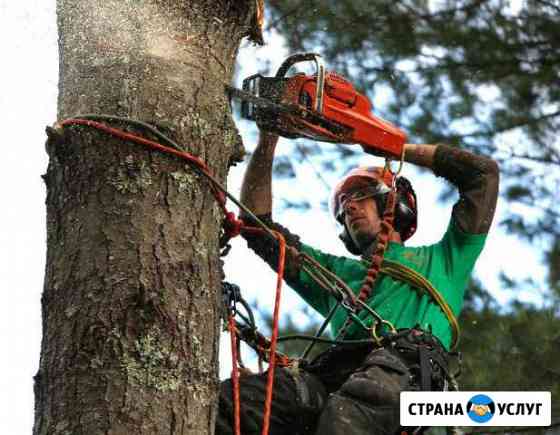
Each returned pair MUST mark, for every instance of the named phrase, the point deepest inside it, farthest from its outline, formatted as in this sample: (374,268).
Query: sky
(29,75)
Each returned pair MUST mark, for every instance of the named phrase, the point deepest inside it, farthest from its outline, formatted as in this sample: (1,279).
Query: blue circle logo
(481,408)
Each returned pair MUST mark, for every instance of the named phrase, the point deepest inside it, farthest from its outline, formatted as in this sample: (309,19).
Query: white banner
(475,408)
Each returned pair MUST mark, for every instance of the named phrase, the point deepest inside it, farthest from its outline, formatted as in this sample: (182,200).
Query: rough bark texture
(132,286)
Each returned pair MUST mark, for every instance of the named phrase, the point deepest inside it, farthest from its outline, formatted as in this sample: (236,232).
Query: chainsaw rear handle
(320,67)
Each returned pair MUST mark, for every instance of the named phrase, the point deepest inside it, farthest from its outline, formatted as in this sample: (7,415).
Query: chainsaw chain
(266,103)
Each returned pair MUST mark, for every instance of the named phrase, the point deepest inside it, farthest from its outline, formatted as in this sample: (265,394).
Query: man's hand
(421,155)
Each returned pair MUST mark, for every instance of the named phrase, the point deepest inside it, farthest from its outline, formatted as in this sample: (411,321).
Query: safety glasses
(359,194)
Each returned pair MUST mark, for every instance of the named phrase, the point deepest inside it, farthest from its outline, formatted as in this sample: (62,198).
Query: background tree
(132,286)
(479,74)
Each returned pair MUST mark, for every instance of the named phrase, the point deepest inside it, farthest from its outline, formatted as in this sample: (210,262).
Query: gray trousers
(344,392)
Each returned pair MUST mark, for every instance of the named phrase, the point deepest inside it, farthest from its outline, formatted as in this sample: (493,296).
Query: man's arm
(256,194)
(476,178)
(420,155)
(256,190)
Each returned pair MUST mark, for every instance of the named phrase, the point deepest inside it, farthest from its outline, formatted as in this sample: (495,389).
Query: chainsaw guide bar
(271,108)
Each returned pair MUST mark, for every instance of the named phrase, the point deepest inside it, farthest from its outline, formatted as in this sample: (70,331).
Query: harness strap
(425,369)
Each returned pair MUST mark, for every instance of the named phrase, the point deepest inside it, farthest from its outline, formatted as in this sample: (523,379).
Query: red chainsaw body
(344,105)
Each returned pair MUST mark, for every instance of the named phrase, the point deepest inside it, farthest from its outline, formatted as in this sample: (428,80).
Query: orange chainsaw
(323,107)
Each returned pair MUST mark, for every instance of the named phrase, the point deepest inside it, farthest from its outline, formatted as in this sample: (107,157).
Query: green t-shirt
(447,265)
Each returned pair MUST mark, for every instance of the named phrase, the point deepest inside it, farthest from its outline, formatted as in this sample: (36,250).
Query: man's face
(362,220)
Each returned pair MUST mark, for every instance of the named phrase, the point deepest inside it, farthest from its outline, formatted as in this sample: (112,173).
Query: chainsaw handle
(368,149)
(296,58)
(320,66)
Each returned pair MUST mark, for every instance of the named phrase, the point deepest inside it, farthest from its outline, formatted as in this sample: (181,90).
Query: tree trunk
(132,287)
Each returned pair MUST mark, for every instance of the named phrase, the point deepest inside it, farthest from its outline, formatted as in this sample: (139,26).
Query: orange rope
(275,321)
(273,339)
(138,139)
(220,197)
(234,377)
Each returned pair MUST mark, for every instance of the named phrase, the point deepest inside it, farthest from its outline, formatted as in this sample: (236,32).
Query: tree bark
(132,287)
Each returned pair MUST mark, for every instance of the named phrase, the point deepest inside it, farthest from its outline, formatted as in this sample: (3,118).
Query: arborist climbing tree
(396,329)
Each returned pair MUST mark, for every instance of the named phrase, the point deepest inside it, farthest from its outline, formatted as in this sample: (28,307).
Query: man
(355,389)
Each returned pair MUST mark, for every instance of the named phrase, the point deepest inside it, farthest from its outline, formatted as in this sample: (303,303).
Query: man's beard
(367,244)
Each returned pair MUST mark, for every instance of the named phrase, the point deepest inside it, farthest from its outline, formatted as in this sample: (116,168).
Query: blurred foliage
(480,74)
(516,350)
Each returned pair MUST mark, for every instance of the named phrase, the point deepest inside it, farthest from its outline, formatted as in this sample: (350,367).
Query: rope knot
(232,225)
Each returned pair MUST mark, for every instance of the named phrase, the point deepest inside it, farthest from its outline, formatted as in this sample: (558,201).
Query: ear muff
(405,209)
(406,212)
